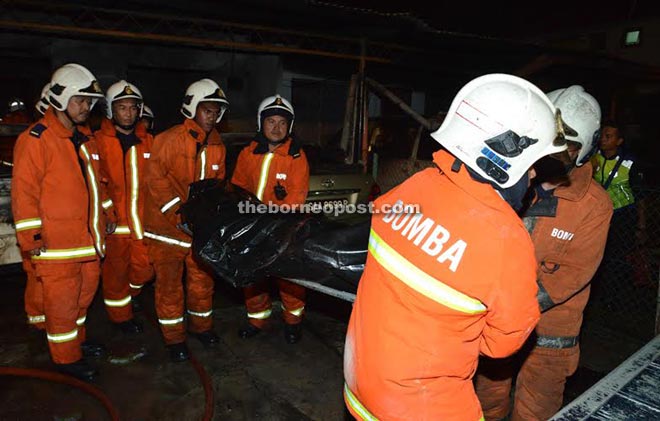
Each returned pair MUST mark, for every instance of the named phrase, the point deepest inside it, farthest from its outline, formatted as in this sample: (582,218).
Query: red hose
(63,379)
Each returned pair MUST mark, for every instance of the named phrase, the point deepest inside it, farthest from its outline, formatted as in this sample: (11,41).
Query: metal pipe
(383,91)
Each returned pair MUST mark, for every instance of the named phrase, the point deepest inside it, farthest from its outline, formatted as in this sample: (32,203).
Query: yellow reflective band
(170,321)
(95,200)
(107,204)
(205,314)
(117,303)
(167,240)
(169,204)
(297,312)
(135,185)
(203,164)
(122,230)
(27,224)
(54,254)
(355,404)
(37,319)
(263,176)
(419,280)
(261,315)
(135,286)
(81,320)
(62,337)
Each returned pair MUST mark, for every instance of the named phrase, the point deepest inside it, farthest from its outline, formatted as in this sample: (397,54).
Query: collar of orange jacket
(197,133)
(483,192)
(54,124)
(282,149)
(580,178)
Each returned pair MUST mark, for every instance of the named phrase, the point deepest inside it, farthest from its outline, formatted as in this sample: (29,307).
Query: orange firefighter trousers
(168,266)
(68,290)
(126,263)
(539,385)
(258,302)
(34,298)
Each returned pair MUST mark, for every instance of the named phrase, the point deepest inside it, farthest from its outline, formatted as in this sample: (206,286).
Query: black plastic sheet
(244,248)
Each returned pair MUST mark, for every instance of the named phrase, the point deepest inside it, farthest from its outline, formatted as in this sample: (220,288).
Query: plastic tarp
(243,247)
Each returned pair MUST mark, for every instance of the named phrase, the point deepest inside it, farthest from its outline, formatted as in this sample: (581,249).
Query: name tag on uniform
(95,157)
(146,155)
(215,167)
(280,176)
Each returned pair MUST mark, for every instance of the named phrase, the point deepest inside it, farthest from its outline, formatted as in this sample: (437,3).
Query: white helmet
(201,91)
(43,104)
(581,115)
(122,90)
(499,125)
(275,105)
(146,112)
(71,80)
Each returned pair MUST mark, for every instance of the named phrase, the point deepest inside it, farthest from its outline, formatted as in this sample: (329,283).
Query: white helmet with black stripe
(73,80)
(499,125)
(42,105)
(275,105)
(203,90)
(581,115)
(122,90)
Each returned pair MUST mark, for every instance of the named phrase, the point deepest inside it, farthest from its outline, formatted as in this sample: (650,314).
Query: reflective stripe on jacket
(439,288)
(56,195)
(124,176)
(259,172)
(179,156)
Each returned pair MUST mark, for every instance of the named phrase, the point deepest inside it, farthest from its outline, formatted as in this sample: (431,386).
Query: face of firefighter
(79,108)
(275,128)
(125,112)
(207,113)
(610,140)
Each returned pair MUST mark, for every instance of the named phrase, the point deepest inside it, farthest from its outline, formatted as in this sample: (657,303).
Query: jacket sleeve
(513,311)
(241,175)
(560,280)
(28,172)
(109,208)
(157,181)
(299,185)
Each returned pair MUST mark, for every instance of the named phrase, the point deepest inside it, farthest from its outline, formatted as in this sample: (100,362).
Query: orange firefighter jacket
(124,176)
(56,196)
(260,172)
(569,231)
(179,156)
(440,287)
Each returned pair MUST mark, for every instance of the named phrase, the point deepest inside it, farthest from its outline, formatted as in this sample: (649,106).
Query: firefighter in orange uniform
(34,301)
(124,147)
(185,153)
(568,222)
(275,169)
(456,278)
(56,202)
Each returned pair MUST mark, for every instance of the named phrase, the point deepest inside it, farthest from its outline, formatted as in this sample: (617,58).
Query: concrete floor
(260,378)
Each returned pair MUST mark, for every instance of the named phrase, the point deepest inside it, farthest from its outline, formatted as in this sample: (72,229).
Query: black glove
(280,191)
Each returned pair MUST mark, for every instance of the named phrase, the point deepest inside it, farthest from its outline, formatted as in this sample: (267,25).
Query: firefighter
(183,154)
(56,202)
(147,118)
(33,289)
(274,168)
(450,271)
(124,147)
(568,221)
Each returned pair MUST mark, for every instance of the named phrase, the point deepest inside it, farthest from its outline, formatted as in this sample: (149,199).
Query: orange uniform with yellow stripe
(260,171)
(126,268)
(180,156)
(441,286)
(56,202)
